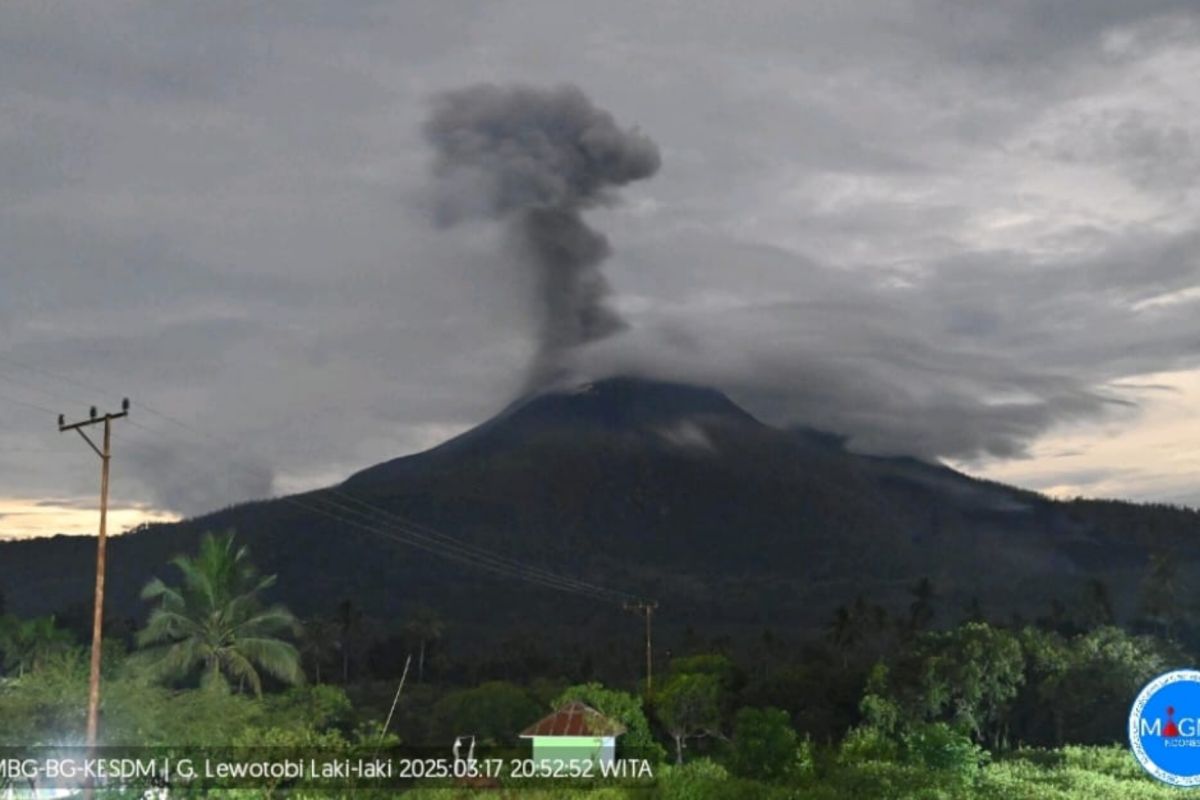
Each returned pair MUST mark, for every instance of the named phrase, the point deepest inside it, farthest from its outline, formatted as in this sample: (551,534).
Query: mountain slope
(659,490)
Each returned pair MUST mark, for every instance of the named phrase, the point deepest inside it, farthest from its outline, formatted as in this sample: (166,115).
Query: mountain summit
(614,408)
(650,489)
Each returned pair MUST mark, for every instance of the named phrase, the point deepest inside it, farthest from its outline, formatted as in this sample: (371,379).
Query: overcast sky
(965,231)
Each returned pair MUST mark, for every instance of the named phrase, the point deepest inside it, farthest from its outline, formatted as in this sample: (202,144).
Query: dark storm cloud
(938,228)
(976,357)
(536,159)
(884,387)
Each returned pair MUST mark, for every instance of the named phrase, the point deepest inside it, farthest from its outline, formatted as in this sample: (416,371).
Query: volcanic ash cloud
(535,159)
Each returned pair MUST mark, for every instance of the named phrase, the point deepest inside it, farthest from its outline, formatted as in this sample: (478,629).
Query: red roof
(575,719)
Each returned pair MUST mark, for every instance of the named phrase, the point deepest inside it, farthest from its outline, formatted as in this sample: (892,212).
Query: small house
(575,732)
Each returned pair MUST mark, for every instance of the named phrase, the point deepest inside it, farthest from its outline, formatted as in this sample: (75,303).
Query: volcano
(647,489)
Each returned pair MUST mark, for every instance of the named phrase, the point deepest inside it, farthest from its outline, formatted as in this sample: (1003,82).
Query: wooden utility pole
(646,608)
(105,453)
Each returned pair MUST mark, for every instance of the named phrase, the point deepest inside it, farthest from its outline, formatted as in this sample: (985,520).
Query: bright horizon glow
(26,518)
(1154,459)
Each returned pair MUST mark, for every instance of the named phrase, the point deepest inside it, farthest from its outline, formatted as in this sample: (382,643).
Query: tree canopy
(215,621)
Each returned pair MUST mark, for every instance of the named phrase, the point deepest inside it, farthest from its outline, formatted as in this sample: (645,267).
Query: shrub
(764,744)
(939,746)
(868,744)
(494,712)
(696,780)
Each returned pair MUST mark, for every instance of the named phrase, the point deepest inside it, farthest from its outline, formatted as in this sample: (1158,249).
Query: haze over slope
(651,489)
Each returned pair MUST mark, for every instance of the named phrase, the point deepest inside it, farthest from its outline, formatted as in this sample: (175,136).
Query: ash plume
(535,159)
(180,484)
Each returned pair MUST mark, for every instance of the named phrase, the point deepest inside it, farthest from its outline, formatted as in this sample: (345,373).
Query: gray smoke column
(536,159)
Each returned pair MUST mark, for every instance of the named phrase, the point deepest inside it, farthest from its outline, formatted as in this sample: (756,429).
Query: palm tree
(1160,590)
(320,641)
(216,622)
(350,624)
(1097,604)
(425,626)
(921,611)
(27,644)
(844,633)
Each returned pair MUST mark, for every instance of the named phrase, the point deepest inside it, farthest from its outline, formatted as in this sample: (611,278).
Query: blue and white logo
(1164,727)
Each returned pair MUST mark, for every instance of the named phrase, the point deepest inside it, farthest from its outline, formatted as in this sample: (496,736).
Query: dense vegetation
(880,705)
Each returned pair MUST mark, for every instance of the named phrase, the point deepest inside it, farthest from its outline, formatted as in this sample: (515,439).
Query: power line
(423,532)
(425,529)
(373,518)
(412,534)
(423,537)
(28,404)
(564,586)
(8,378)
(55,375)
(489,560)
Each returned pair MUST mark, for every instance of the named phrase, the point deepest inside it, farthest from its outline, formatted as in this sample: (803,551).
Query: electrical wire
(373,518)
(28,404)
(365,516)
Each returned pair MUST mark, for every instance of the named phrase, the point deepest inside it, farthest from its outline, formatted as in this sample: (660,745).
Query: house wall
(554,748)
